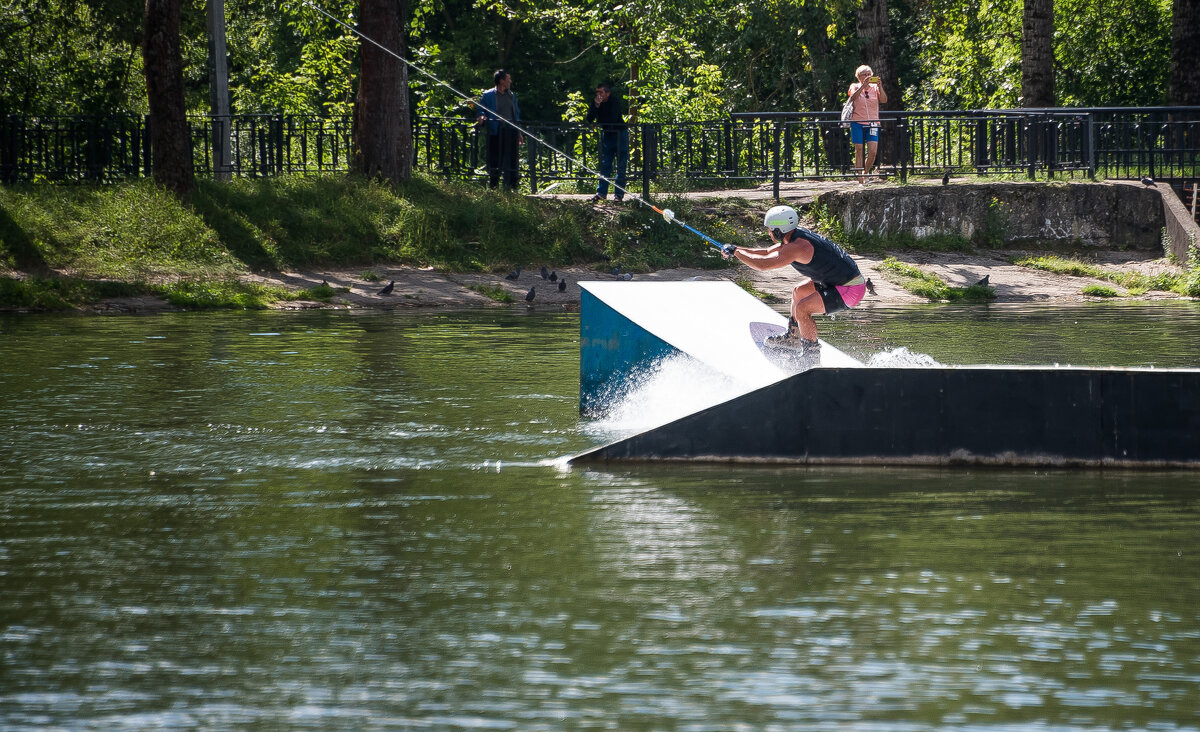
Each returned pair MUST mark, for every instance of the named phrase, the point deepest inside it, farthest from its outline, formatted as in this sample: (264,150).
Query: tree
(875,34)
(381,132)
(162,64)
(1184,86)
(1037,54)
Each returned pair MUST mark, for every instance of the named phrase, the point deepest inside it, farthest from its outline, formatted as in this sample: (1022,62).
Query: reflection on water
(317,520)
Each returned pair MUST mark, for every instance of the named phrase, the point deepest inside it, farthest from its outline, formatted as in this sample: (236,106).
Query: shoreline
(428,288)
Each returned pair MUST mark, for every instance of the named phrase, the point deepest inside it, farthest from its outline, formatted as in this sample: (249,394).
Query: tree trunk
(162,64)
(218,90)
(1185,54)
(875,33)
(1037,54)
(382,136)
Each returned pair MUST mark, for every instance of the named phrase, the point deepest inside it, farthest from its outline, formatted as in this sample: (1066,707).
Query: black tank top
(829,264)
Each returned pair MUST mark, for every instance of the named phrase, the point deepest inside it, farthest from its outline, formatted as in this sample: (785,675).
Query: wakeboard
(788,359)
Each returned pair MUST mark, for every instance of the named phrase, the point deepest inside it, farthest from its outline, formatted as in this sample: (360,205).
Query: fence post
(649,153)
(903,145)
(1089,145)
(278,144)
(1031,146)
(981,149)
(775,129)
(531,160)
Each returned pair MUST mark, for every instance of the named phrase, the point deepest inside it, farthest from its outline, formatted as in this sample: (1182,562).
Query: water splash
(901,357)
(671,388)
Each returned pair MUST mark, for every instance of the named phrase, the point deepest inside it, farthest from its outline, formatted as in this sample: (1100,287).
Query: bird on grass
(554,276)
(562,285)
(545,273)
(529,295)
(870,286)
(515,274)
(984,281)
(388,288)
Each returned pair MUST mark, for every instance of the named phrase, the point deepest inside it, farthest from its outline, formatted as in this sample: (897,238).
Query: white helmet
(781,219)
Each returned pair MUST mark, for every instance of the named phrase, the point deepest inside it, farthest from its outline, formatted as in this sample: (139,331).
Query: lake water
(331,520)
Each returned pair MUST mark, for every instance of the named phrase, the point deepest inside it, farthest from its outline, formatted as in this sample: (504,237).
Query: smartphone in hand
(873,80)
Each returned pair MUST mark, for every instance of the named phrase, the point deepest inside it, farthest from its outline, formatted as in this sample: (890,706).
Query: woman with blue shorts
(866,94)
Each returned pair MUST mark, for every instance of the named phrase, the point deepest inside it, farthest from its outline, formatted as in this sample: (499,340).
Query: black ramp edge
(951,415)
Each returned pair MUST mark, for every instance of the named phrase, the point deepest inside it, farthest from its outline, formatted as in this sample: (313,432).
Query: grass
(1100,291)
(931,286)
(1134,282)
(495,292)
(136,234)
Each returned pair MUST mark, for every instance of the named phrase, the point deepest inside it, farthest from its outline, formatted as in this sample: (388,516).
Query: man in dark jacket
(614,140)
(498,108)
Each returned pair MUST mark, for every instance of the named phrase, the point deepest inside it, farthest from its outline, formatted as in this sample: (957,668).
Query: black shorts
(830,296)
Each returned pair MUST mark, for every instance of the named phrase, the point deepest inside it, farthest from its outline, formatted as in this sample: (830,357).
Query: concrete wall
(1059,214)
(1180,229)
(953,415)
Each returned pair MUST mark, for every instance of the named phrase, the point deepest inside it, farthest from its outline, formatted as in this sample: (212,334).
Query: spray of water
(671,388)
(901,357)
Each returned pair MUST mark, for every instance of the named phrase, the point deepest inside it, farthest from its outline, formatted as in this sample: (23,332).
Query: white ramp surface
(708,320)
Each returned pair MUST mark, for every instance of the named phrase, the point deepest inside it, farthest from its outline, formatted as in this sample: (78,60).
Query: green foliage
(136,232)
(221,294)
(131,231)
(642,241)
(495,292)
(931,286)
(1190,282)
(969,53)
(1135,282)
(66,293)
(1099,291)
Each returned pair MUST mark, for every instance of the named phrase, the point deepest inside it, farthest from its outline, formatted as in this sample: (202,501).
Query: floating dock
(843,412)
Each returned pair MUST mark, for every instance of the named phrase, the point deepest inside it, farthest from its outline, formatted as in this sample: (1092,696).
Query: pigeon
(529,295)
(626,277)
(562,285)
(983,282)
(387,289)
(554,276)
(946,178)
(870,286)
(545,273)
(515,274)
(1147,181)
(615,270)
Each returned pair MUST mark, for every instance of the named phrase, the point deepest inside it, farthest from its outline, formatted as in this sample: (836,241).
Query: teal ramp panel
(611,348)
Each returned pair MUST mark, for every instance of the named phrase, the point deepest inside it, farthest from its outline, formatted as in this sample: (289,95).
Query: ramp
(628,326)
(1043,416)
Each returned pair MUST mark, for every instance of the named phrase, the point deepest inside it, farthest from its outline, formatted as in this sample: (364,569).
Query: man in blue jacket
(503,139)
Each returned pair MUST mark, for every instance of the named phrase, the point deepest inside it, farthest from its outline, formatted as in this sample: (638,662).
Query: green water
(330,520)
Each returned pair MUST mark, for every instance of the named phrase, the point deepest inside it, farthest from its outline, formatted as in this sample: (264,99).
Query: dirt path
(427,288)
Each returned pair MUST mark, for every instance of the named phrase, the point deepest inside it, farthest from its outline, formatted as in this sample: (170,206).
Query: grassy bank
(63,247)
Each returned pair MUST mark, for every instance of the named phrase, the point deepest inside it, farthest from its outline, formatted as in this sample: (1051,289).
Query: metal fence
(1161,142)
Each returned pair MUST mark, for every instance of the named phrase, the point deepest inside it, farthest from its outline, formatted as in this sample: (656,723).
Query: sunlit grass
(1135,282)
(929,285)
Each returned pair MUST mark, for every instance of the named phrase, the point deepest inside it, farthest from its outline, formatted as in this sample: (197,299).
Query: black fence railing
(1161,142)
